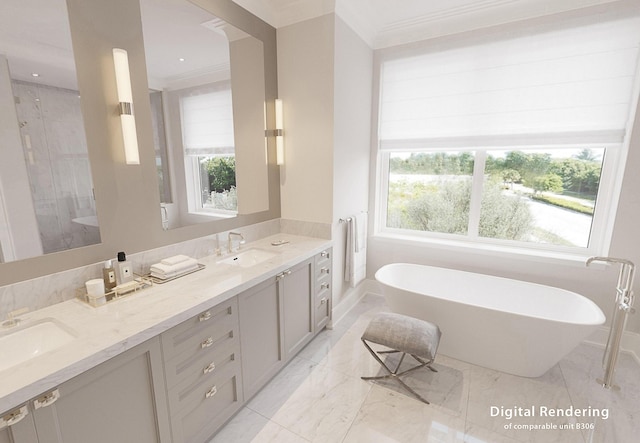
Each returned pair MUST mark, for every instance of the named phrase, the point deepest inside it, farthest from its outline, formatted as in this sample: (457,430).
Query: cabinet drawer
(323,287)
(207,406)
(324,258)
(201,331)
(189,368)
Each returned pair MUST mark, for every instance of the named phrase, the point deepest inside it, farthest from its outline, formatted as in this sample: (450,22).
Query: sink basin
(248,258)
(26,341)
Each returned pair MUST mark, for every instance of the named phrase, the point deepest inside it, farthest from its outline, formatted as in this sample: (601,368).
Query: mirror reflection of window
(208,146)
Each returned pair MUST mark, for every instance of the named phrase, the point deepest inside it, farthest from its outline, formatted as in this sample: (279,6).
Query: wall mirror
(46,189)
(207,97)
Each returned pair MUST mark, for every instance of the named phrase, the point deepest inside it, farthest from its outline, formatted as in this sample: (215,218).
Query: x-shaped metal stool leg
(394,373)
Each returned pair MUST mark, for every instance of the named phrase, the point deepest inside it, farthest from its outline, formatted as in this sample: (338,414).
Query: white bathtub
(512,326)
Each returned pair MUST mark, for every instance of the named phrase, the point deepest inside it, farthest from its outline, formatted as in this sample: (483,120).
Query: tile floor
(319,397)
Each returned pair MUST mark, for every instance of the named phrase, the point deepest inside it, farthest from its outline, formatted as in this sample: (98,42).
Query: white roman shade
(573,85)
(207,122)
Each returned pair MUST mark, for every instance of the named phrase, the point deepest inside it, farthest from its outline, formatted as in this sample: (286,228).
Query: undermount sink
(248,258)
(21,343)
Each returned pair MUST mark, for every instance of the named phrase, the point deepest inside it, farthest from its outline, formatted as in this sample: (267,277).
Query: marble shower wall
(52,131)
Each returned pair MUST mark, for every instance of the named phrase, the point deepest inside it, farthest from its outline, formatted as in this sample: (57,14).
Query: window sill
(485,250)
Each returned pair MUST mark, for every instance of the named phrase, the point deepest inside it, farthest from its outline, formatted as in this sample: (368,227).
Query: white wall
(305,85)
(352,139)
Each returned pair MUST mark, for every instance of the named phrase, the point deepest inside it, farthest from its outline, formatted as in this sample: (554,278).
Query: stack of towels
(173,267)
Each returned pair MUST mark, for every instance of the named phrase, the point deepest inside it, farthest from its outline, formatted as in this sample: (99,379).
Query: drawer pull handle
(323,300)
(47,399)
(14,417)
(324,270)
(209,368)
(324,254)
(208,342)
(211,392)
(205,316)
(324,286)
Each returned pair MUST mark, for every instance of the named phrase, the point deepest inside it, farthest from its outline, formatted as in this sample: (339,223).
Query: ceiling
(383,23)
(34,34)
(35,38)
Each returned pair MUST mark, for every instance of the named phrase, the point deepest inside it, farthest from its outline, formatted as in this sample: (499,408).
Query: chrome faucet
(12,319)
(623,306)
(230,240)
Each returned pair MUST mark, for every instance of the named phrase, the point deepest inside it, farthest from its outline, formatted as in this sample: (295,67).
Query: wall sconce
(125,107)
(278,133)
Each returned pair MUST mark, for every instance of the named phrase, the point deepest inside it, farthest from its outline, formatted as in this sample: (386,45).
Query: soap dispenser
(109,276)
(124,270)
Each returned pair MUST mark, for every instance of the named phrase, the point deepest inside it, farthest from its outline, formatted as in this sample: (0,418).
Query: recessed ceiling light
(181,59)
(35,74)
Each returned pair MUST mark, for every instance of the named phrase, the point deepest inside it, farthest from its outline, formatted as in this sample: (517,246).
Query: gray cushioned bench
(408,335)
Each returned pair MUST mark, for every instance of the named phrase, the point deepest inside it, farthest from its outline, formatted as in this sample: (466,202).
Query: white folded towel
(162,271)
(170,261)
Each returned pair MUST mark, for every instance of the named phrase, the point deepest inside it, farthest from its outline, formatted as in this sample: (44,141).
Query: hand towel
(355,263)
(170,261)
(164,272)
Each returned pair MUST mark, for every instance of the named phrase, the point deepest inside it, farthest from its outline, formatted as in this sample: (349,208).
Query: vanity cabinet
(115,401)
(203,372)
(280,316)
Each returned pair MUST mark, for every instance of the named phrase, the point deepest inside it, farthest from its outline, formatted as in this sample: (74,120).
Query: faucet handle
(11,316)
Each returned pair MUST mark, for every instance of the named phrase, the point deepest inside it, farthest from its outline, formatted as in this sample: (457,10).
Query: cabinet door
(297,288)
(260,312)
(23,431)
(120,400)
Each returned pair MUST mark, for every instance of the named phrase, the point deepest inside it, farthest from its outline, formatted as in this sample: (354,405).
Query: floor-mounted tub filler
(508,325)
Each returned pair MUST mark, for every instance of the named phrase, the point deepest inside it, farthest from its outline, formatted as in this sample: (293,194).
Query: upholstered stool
(404,334)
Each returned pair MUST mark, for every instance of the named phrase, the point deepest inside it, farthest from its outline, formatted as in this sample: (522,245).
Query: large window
(518,141)
(209,153)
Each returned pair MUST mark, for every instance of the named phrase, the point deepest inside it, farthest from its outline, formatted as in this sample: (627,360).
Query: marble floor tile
(277,392)
(389,417)
(324,406)
(511,406)
(581,368)
(248,426)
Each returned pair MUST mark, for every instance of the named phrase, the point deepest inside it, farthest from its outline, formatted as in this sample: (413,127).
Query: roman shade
(546,86)
(207,121)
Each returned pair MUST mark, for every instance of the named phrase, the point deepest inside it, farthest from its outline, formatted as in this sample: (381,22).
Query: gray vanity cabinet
(203,375)
(296,287)
(260,309)
(23,429)
(276,321)
(115,401)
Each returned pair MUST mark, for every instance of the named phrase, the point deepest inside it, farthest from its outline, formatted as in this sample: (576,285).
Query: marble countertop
(106,331)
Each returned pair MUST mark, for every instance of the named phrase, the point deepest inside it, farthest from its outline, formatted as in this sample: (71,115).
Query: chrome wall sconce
(278,133)
(125,106)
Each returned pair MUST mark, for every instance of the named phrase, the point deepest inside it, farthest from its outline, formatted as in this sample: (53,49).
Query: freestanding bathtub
(508,325)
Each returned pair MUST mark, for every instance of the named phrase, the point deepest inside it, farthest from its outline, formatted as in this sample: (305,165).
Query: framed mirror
(46,188)
(207,82)
(127,196)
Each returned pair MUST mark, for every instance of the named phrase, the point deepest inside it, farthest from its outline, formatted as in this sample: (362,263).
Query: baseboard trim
(630,341)
(351,298)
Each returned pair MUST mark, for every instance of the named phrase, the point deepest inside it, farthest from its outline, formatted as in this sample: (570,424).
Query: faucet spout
(230,240)
(622,261)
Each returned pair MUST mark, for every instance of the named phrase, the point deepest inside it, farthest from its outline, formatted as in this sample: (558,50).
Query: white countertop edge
(107,331)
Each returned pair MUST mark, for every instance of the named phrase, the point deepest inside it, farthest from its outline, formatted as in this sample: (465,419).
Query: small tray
(140,282)
(160,281)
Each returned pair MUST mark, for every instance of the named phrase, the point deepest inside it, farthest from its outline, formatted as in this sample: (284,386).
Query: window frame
(609,189)
(603,217)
